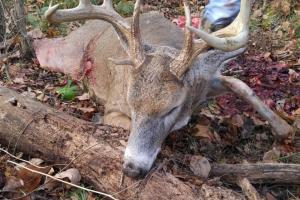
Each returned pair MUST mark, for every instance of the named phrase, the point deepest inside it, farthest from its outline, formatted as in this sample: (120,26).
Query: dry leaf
(19,81)
(203,132)
(86,110)
(271,156)
(13,183)
(31,179)
(36,161)
(257,121)
(84,97)
(297,112)
(237,120)
(200,166)
(72,174)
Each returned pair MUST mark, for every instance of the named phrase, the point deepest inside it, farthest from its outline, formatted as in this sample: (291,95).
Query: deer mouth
(133,171)
(137,165)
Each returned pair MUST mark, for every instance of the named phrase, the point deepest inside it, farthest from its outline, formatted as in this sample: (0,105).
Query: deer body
(152,76)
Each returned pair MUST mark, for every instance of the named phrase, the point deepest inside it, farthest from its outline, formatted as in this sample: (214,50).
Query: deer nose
(133,171)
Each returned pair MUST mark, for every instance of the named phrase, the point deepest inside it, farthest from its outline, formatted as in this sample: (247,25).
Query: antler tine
(129,34)
(84,3)
(137,46)
(108,4)
(181,63)
(86,10)
(236,33)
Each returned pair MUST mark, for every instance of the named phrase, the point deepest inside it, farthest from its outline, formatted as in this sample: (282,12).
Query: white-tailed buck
(151,76)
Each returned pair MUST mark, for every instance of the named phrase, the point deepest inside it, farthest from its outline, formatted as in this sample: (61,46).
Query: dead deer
(147,83)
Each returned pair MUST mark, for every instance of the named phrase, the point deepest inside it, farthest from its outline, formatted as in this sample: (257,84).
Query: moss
(254,24)
(270,19)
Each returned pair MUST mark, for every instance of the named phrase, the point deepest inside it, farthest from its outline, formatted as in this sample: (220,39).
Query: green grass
(78,194)
(270,19)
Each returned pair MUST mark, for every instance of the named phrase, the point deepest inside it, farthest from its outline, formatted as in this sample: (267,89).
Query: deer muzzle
(144,144)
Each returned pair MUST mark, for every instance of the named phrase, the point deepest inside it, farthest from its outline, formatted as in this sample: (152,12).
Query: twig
(121,180)
(28,162)
(7,73)
(20,159)
(248,189)
(65,167)
(62,181)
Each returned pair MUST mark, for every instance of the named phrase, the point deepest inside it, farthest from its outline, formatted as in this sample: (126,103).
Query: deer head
(162,83)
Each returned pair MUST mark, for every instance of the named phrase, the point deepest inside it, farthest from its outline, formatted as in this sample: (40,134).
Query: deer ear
(121,61)
(208,65)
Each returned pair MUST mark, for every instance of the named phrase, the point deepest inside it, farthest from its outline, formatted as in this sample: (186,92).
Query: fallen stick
(258,172)
(248,189)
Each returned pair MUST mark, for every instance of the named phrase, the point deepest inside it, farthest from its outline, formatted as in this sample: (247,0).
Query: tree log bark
(258,172)
(40,131)
(20,20)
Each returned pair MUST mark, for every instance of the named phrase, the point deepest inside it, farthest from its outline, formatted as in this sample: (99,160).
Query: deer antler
(129,33)
(234,36)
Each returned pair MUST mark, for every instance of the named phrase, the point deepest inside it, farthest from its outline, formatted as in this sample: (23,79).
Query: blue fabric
(220,12)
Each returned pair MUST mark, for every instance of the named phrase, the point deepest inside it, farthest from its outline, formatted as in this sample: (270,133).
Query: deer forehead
(154,88)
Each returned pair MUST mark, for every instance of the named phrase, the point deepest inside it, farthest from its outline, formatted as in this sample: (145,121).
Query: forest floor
(225,130)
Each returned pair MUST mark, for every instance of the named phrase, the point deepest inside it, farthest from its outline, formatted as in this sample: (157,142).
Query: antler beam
(129,33)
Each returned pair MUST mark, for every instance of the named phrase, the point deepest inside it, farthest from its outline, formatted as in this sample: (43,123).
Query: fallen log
(258,172)
(42,132)
(37,130)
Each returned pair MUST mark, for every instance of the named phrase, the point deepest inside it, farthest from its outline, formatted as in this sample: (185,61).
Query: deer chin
(137,164)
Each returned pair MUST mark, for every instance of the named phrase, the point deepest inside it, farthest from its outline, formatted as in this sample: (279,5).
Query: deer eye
(173,110)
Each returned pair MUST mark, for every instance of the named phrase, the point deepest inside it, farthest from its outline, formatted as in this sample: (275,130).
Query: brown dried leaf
(31,180)
(87,110)
(200,166)
(36,161)
(83,97)
(13,183)
(271,156)
(72,174)
(237,120)
(203,132)
(19,81)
